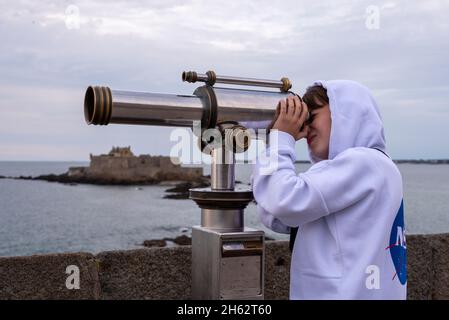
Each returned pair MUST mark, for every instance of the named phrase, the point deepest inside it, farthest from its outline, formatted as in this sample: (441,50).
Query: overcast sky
(50,51)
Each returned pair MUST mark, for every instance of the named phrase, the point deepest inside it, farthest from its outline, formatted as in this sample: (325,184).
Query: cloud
(50,55)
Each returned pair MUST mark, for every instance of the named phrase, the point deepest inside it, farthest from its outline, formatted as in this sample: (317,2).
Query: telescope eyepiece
(189,76)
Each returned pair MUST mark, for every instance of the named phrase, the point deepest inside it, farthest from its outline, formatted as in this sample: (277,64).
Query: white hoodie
(351,239)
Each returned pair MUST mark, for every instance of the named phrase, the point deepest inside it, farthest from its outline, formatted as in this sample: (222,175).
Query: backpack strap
(382,152)
(293,232)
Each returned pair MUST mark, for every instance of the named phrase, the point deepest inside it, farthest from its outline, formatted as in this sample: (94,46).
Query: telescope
(227,257)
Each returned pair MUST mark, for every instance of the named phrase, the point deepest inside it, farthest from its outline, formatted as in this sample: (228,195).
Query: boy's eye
(311,117)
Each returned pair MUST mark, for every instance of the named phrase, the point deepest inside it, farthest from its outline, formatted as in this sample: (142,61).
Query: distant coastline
(422,161)
(417,161)
(412,161)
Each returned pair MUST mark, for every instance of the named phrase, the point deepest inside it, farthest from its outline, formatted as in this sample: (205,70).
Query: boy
(348,206)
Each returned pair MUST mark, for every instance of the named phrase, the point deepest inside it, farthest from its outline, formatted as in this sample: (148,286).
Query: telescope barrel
(246,105)
(253,109)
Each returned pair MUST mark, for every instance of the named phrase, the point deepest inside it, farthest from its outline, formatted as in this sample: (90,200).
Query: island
(121,167)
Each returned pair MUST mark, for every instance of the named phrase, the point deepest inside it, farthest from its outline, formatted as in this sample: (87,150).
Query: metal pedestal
(227,258)
(227,265)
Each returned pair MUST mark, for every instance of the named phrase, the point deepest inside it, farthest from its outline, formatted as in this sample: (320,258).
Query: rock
(154,243)
(184,230)
(166,183)
(180,187)
(181,190)
(177,196)
(185,186)
(23,178)
(183,240)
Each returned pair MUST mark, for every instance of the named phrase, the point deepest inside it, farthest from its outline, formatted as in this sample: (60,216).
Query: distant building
(121,152)
(120,165)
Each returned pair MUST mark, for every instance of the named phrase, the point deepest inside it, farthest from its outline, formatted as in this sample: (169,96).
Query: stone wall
(164,273)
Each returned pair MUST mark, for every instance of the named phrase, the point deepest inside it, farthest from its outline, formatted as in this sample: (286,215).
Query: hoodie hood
(356,120)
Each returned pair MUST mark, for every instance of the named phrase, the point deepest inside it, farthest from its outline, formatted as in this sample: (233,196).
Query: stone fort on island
(120,165)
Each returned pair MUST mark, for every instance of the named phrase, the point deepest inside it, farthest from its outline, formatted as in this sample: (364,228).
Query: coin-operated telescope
(227,258)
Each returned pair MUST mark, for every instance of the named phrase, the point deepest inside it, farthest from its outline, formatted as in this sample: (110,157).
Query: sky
(50,51)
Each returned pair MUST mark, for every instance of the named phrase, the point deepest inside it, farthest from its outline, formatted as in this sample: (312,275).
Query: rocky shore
(178,190)
(68,179)
(181,190)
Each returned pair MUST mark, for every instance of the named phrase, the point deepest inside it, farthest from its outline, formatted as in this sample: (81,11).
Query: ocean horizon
(47,217)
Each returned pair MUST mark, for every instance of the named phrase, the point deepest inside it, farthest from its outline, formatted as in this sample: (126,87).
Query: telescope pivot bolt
(237,139)
(207,143)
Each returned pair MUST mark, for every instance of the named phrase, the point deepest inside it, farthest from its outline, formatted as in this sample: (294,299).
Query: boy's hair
(315,97)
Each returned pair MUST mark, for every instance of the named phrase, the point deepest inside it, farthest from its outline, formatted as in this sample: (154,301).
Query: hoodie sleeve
(327,187)
(269,220)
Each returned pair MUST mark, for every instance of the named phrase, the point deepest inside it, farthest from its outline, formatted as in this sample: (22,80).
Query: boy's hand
(290,117)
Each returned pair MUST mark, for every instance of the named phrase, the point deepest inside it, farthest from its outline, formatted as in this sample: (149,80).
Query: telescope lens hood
(98,105)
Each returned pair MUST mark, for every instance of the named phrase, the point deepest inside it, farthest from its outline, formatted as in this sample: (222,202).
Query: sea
(39,217)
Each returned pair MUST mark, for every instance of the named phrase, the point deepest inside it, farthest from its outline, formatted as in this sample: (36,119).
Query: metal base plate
(207,198)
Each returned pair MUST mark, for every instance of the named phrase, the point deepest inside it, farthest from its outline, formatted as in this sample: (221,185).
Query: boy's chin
(317,154)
